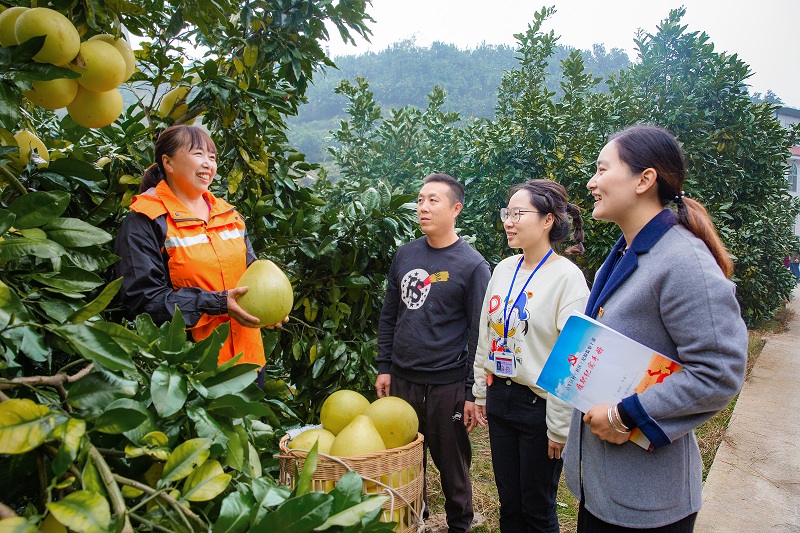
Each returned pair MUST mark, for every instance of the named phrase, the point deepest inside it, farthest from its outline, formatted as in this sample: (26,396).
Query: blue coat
(668,293)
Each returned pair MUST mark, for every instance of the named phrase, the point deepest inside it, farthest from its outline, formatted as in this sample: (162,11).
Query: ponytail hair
(168,143)
(152,176)
(642,147)
(551,197)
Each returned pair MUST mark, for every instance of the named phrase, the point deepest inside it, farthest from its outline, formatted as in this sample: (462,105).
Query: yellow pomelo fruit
(100,65)
(340,408)
(8,19)
(52,94)
(95,110)
(306,440)
(123,48)
(357,438)
(51,525)
(395,419)
(62,42)
(27,141)
(269,293)
(173,104)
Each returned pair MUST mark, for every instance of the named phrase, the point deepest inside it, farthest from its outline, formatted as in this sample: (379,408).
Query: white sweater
(553,293)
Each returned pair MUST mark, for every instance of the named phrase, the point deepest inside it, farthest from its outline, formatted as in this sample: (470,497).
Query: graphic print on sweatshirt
(416,285)
(517,325)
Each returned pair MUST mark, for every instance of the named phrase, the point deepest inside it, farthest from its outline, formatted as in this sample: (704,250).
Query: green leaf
(205,426)
(38,208)
(18,524)
(297,515)
(91,479)
(347,492)
(169,390)
(234,406)
(71,167)
(97,390)
(6,220)
(95,345)
(42,71)
(70,279)
(175,338)
(92,258)
(125,338)
(185,458)
(24,425)
(11,249)
(353,515)
(10,306)
(230,381)
(267,495)
(70,433)
(83,511)
(205,483)
(120,416)
(154,444)
(234,515)
(146,329)
(10,117)
(303,485)
(24,52)
(234,449)
(75,233)
(206,352)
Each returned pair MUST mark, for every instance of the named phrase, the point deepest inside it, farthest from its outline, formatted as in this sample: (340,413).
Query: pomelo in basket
(269,293)
(395,420)
(306,440)
(340,408)
(357,438)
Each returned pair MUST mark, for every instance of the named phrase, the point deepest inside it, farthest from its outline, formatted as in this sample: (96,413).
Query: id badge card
(504,365)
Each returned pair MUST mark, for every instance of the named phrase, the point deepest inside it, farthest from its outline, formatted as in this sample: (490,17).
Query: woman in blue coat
(665,284)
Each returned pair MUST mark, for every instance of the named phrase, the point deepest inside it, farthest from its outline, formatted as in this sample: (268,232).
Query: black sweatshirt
(428,328)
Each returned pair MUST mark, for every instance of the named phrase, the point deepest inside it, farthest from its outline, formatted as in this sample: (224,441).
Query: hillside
(404,73)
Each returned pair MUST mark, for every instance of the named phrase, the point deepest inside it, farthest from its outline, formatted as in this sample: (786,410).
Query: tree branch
(178,506)
(56,381)
(13,179)
(114,494)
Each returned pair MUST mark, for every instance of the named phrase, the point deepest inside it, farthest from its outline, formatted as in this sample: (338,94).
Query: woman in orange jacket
(181,246)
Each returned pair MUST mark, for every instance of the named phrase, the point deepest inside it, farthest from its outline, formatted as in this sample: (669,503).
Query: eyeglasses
(515,213)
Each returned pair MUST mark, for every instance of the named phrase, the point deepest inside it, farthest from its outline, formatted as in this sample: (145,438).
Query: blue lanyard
(505,309)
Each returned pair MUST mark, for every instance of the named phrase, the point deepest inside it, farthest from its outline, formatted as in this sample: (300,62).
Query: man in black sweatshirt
(427,337)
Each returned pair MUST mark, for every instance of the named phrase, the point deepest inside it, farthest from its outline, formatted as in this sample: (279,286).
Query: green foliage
(118,426)
(404,74)
(736,150)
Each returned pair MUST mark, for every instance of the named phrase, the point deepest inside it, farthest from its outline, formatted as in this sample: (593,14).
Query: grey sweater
(668,293)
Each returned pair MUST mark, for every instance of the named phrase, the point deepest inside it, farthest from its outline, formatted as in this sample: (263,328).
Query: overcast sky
(765,34)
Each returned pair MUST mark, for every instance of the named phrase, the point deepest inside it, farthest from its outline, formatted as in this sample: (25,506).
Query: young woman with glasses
(528,300)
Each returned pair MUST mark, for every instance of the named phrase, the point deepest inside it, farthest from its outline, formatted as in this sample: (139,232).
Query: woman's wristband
(615,412)
(611,420)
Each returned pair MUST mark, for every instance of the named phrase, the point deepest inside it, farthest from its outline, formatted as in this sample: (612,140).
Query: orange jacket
(170,257)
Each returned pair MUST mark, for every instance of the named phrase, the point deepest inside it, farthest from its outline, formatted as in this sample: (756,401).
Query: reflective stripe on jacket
(210,256)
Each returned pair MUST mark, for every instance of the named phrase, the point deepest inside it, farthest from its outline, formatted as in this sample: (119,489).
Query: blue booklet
(592,364)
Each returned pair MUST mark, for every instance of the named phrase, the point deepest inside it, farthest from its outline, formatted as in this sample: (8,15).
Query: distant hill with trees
(404,74)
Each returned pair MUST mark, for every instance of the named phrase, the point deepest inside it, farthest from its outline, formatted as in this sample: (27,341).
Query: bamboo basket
(397,473)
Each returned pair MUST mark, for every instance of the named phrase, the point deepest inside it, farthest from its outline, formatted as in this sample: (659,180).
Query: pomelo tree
(109,425)
(736,150)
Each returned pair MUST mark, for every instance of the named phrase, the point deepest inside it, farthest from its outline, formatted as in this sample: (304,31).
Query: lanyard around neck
(506,317)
